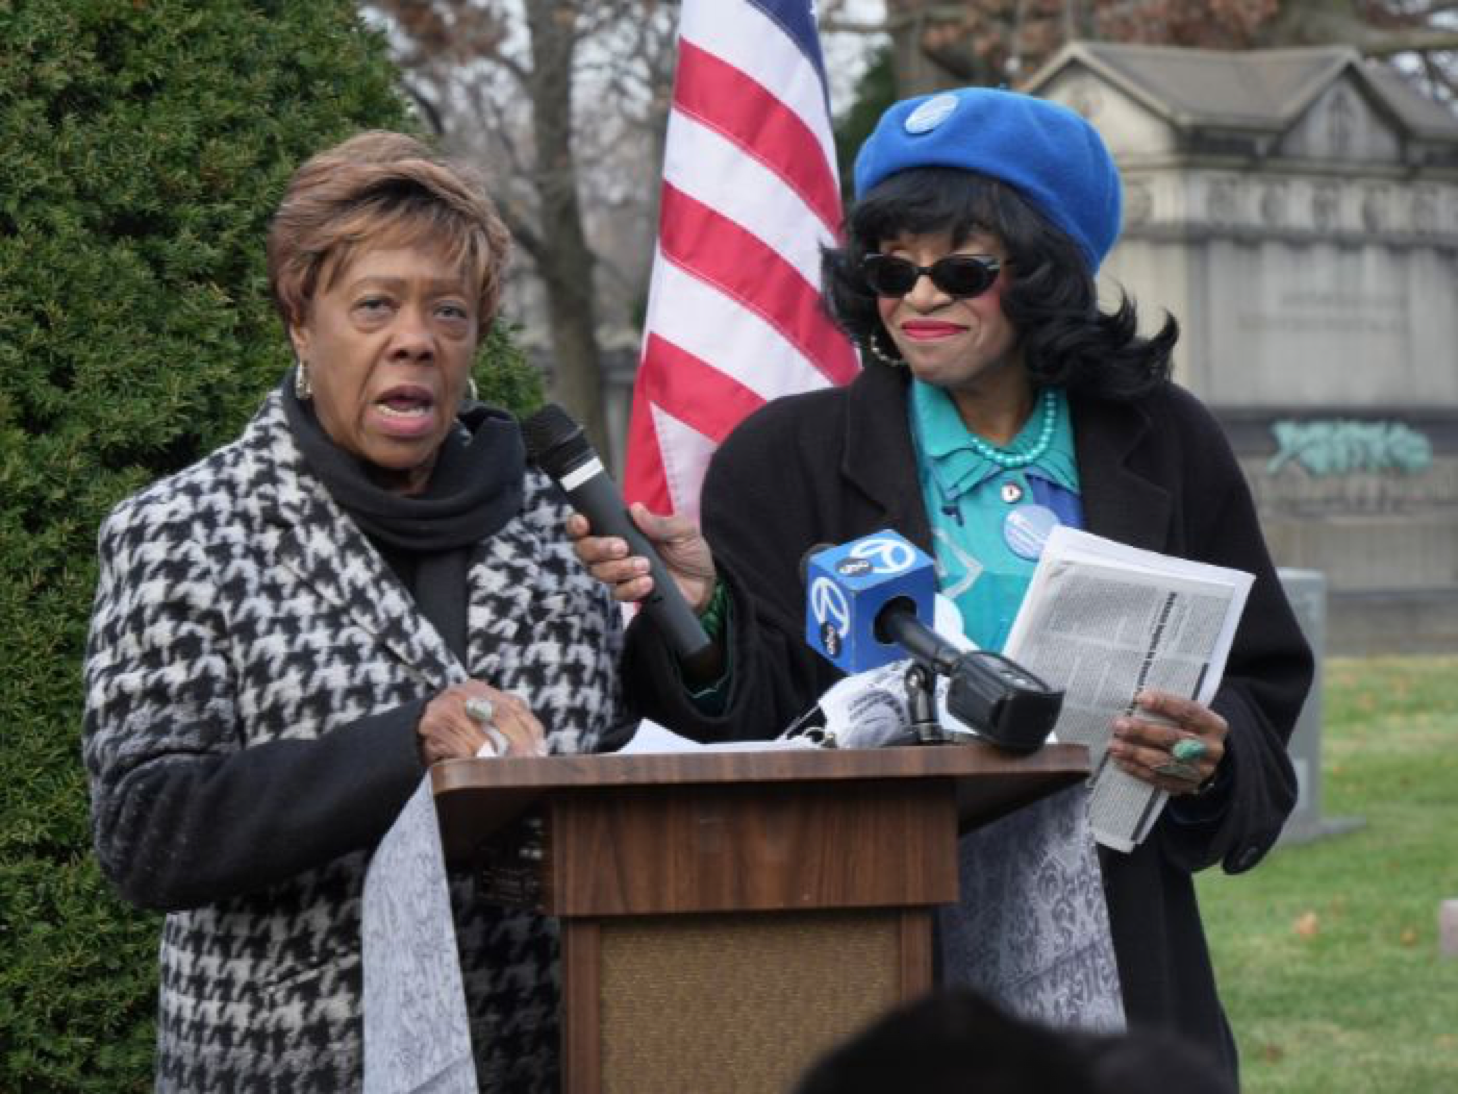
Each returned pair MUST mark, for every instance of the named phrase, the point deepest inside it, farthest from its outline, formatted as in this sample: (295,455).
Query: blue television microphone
(849,586)
(867,604)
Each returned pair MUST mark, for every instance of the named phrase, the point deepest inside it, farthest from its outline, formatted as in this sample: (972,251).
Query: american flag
(749,196)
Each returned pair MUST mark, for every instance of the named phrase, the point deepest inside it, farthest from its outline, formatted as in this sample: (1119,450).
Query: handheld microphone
(868,608)
(558,446)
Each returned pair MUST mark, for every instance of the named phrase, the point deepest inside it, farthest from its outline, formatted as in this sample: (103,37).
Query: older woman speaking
(370,579)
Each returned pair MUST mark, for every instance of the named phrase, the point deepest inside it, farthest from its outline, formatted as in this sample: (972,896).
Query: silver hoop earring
(896,362)
(472,392)
(302,388)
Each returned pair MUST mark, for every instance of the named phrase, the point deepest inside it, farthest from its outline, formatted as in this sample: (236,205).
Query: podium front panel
(735,847)
(735,1002)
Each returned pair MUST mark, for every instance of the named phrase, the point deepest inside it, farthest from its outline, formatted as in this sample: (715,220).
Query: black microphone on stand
(1002,701)
(866,605)
(558,446)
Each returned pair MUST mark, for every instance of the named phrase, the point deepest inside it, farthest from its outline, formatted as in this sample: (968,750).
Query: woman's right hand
(448,728)
(679,543)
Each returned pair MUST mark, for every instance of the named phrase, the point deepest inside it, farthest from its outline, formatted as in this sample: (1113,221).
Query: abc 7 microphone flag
(848,586)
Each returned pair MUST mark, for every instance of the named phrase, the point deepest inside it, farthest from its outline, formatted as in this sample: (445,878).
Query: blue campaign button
(930,114)
(1027,528)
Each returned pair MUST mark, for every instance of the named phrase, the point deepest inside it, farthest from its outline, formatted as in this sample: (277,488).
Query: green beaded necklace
(1005,459)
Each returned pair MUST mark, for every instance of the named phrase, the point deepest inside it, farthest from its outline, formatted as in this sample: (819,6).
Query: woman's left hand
(1176,754)
(472,719)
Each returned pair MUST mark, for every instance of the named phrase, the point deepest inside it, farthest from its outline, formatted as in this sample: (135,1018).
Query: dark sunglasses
(956,275)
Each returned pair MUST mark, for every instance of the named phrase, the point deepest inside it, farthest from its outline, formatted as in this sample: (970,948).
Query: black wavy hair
(1052,300)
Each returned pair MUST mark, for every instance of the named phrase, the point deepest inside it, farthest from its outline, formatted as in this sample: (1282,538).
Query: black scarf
(475,488)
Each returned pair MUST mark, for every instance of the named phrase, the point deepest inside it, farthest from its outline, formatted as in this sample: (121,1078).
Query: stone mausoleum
(1297,211)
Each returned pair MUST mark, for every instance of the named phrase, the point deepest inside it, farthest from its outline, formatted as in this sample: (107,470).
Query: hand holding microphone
(685,554)
(672,587)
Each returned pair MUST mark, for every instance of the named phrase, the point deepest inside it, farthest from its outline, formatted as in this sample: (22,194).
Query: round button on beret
(1045,151)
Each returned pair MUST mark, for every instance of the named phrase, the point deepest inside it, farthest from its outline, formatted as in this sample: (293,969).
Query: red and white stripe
(750,196)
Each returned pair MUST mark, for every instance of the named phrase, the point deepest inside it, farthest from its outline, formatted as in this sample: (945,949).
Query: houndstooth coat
(254,675)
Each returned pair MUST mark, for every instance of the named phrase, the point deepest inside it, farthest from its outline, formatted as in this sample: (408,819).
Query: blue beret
(1048,153)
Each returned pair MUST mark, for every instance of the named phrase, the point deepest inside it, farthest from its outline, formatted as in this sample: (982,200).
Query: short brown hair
(381,187)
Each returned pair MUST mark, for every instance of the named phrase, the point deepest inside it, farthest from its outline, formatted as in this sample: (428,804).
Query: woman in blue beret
(995,391)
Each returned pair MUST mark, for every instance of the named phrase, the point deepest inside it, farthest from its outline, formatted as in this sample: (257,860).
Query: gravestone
(1306,590)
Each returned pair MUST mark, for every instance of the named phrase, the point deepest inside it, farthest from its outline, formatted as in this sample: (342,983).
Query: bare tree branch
(893,21)
(836,25)
(1390,43)
(1442,78)
(1415,11)
(519,71)
(427,107)
(985,41)
(522,230)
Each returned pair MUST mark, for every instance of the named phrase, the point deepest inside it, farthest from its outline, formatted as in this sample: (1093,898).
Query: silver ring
(495,744)
(1178,769)
(480,710)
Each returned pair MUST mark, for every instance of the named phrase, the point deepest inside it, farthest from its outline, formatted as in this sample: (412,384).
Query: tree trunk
(915,71)
(566,262)
(933,47)
(1313,23)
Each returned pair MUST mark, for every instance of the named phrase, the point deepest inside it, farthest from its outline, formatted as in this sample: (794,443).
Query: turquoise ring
(1189,750)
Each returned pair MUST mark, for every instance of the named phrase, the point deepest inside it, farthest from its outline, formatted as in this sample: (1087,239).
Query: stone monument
(1297,211)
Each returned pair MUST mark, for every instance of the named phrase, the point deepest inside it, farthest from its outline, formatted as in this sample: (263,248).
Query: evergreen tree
(145,145)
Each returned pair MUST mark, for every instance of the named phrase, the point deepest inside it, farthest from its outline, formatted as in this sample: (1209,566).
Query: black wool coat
(1157,473)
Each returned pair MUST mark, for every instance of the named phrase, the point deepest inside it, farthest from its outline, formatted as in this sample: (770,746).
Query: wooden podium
(728,916)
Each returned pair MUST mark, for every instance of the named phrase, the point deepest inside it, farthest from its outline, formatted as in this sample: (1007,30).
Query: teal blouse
(987,521)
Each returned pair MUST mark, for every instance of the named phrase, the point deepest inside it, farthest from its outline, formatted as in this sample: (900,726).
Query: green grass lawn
(1327,953)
